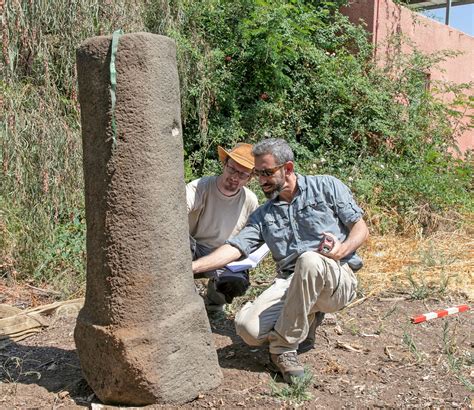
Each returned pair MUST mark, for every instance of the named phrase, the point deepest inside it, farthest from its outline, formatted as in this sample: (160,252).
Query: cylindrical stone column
(143,335)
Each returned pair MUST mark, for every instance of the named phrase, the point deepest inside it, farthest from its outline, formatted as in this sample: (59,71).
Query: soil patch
(368,355)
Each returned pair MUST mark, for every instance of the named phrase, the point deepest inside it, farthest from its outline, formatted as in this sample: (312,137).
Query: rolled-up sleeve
(346,207)
(249,238)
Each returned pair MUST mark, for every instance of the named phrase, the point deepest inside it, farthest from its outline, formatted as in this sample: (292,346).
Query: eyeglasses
(240,174)
(267,172)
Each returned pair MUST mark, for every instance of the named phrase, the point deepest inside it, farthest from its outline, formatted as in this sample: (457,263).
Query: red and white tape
(439,313)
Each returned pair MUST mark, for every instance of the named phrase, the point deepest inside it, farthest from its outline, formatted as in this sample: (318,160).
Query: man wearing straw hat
(218,208)
(313,227)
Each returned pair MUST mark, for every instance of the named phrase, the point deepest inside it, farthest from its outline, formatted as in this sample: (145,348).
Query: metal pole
(448,9)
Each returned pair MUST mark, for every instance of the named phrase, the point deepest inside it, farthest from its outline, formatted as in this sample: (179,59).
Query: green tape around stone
(113,83)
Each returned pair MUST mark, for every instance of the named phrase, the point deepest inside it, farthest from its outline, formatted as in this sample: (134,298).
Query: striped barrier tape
(439,313)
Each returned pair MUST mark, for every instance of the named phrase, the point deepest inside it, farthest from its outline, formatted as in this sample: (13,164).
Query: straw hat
(241,153)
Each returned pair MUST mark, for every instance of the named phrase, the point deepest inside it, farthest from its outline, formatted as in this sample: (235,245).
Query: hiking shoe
(287,364)
(212,308)
(308,344)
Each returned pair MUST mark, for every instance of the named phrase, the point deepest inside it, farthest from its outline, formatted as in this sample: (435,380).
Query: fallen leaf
(347,346)
(369,335)
(386,350)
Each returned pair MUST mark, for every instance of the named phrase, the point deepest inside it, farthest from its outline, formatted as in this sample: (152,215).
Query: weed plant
(297,392)
(12,370)
(412,347)
(457,363)
(420,290)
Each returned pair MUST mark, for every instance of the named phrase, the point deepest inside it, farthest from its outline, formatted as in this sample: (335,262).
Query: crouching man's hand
(336,251)
(357,236)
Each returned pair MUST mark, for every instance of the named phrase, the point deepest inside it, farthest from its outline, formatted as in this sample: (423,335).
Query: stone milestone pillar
(143,335)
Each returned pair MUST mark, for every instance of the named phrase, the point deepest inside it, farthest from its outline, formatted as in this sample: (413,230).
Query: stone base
(143,365)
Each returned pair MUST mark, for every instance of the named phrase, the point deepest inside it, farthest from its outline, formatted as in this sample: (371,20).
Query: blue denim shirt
(322,204)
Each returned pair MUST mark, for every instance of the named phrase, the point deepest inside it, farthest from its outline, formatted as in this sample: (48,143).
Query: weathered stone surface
(143,335)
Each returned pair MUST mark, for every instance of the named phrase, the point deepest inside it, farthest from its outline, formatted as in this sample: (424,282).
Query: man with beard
(218,208)
(301,213)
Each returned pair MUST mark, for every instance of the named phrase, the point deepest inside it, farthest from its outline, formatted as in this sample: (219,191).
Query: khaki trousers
(282,315)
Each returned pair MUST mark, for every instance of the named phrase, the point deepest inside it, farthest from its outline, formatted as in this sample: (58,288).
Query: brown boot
(287,364)
(308,344)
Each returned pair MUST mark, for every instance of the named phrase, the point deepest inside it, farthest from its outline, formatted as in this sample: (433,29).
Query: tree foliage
(300,70)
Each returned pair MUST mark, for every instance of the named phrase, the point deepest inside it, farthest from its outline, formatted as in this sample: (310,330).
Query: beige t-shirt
(214,217)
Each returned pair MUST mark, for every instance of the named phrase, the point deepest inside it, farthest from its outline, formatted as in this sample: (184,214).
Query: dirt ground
(368,355)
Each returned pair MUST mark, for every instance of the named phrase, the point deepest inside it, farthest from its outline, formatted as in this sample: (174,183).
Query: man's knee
(248,327)
(310,263)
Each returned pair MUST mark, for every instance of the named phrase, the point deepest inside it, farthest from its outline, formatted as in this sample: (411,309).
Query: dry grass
(442,263)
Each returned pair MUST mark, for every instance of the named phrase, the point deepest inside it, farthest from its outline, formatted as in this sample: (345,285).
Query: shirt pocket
(276,229)
(314,216)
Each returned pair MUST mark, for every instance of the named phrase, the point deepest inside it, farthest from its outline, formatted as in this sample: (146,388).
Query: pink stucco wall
(385,18)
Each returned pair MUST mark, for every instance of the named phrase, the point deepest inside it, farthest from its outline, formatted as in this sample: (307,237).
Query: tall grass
(41,198)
